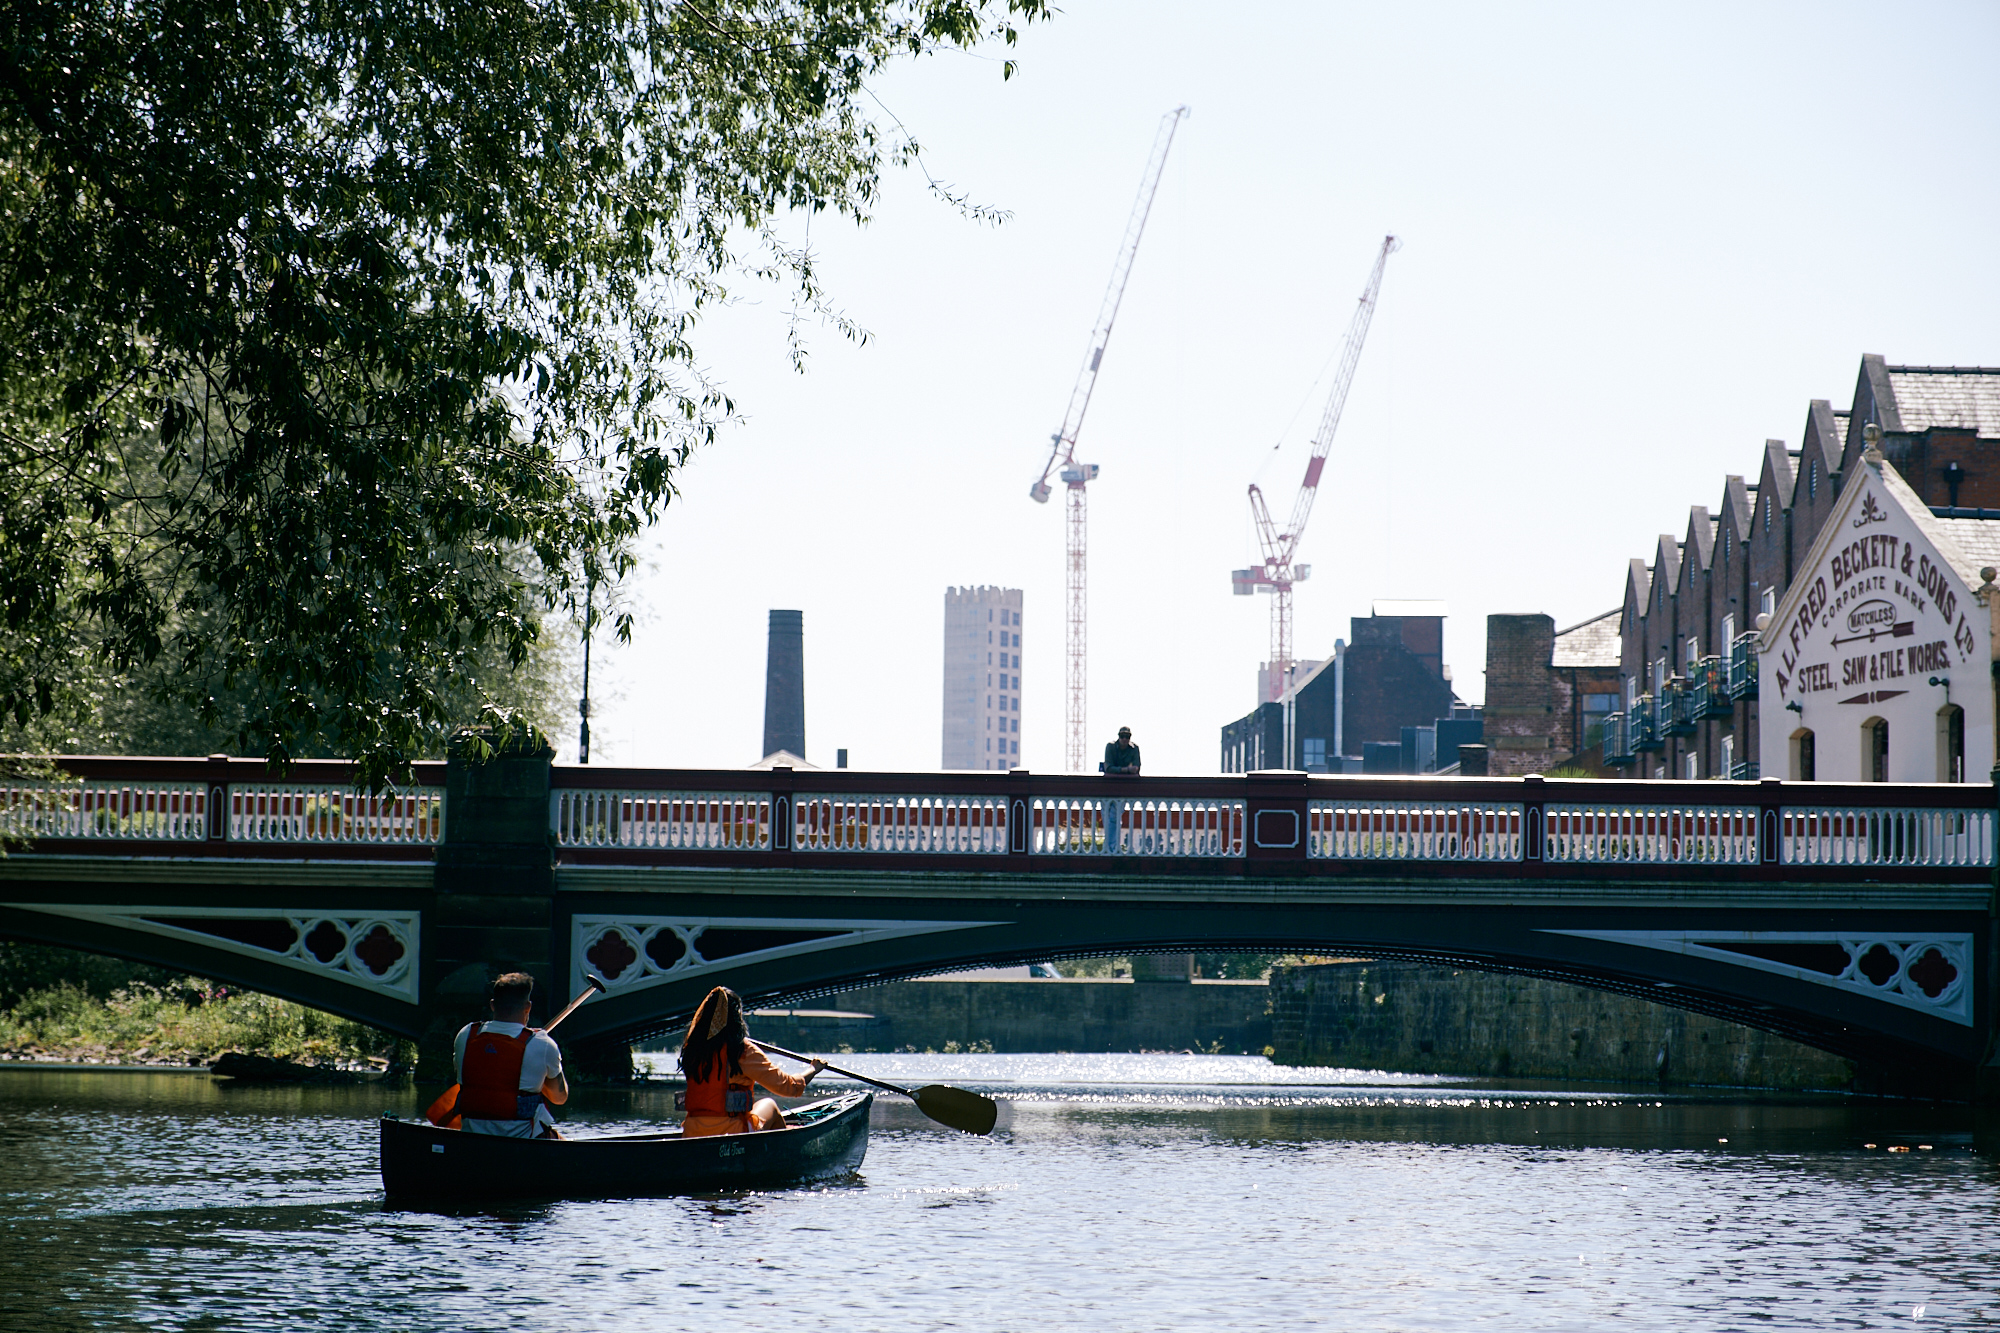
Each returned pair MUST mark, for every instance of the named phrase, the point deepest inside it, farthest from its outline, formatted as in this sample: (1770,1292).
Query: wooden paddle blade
(442,1109)
(958,1108)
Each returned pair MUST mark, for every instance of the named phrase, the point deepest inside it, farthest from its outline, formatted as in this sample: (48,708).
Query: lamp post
(583,709)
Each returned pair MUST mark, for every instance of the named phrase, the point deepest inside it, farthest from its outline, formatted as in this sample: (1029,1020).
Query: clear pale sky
(1636,242)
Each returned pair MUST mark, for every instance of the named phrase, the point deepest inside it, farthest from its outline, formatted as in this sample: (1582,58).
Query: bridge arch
(1856,917)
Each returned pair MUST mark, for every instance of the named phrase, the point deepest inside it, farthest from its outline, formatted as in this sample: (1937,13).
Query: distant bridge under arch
(1856,918)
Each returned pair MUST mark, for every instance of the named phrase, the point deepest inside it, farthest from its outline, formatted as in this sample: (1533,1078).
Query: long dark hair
(700,1052)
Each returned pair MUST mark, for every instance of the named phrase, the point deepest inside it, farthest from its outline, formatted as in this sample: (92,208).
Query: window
(989,745)
(1728,769)
(1729,629)
(1017,747)
(1767,602)
(1767,516)
(1805,760)
(1694,653)
(1875,750)
(1691,766)
(1631,690)
(1951,744)
(1812,480)
(1659,673)
(1315,757)
(1017,663)
(1596,707)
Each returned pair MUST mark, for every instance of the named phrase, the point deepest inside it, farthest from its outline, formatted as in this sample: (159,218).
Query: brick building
(1689,619)
(1389,680)
(1548,693)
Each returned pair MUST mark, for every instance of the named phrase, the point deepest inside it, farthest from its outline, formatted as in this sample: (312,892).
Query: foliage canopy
(342,334)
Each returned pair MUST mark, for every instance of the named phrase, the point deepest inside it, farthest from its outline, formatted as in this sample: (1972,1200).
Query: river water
(1121,1192)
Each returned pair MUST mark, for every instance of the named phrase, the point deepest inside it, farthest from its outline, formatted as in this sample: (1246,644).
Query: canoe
(824,1138)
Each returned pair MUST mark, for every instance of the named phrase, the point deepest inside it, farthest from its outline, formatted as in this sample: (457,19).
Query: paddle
(446,1106)
(948,1106)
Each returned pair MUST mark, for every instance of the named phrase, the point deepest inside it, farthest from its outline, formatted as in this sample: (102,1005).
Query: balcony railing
(1744,770)
(1742,678)
(1642,724)
(1618,742)
(1677,716)
(1708,690)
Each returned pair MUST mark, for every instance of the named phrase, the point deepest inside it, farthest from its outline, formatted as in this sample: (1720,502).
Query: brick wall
(1527,703)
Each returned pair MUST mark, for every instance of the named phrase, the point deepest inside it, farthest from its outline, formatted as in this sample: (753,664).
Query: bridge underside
(1839,978)
(1892,975)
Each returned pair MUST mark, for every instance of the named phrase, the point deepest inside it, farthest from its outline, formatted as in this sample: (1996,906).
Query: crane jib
(1313,469)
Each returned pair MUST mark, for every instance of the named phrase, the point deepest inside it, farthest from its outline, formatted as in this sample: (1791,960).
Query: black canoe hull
(419,1160)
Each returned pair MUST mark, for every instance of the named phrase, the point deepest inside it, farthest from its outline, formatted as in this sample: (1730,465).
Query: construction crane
(1278,573)
(1076,476)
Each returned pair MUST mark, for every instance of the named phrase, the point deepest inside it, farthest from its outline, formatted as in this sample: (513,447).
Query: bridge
(1858,918)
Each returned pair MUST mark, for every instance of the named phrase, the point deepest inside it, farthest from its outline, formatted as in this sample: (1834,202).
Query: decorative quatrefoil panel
(633,952)
(376,950)
(1932,973)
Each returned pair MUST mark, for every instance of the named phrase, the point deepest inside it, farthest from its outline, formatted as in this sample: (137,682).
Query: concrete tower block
(785,685)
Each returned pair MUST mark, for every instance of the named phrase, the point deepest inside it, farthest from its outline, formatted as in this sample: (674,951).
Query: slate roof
(1978,540)
(1594,643)
(1928,396)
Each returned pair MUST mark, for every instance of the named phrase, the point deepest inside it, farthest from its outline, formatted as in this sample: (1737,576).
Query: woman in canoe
(724,1069)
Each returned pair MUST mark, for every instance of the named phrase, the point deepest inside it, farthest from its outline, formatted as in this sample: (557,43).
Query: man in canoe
(508,1073)
(724,1069)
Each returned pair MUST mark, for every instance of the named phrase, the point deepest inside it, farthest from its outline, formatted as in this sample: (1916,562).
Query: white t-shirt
(542,1061)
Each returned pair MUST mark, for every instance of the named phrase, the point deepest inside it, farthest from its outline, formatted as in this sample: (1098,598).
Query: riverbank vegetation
(61,1005)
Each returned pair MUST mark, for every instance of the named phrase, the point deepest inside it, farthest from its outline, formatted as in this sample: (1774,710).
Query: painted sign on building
(1876,664)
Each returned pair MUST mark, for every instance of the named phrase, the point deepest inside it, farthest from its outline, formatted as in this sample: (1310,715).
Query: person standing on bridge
(1121,757)
(508,1073)
(724,1069)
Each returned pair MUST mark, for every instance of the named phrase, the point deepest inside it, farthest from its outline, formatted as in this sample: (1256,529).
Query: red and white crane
(1075,476)
(1277,574)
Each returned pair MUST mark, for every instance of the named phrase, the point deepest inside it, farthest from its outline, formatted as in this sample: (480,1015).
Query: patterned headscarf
(717,1005)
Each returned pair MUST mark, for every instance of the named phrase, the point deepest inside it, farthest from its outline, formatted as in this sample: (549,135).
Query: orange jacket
(490,1079)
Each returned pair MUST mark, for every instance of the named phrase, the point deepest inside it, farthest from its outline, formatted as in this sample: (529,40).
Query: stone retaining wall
(1077,1014)
(1412,1018)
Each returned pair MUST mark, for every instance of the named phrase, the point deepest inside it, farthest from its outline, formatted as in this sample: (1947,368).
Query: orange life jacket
(490,1077)
(712,1095)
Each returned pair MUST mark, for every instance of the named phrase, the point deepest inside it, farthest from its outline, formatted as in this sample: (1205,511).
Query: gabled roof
(1667,565)
(1967,397)
(1778,476)
(1594,643)
(1736,502)
(1966,544)
(1698,548)
(1638,583)
(1825,436)
(786,759)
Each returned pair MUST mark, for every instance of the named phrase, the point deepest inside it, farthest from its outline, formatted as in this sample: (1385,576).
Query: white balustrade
(1413,831)
(899,823)
(1861,836)
(330,813)
(1092,826)
(703,821)
(153,811)
(1650,834)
